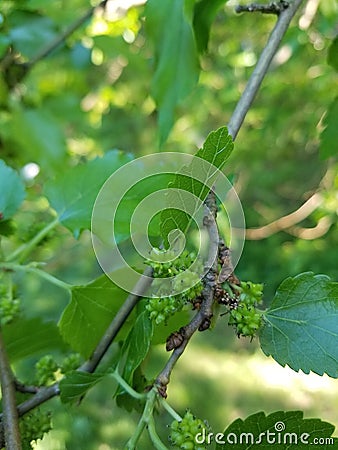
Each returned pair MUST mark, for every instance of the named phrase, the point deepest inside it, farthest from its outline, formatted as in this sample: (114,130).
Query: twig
(10,417)
(261,68)
(170,410)
(33,269)
(271,8)
(24,388)
(201,320)
(43,394)
(147,421)
(286,221)
(322,227)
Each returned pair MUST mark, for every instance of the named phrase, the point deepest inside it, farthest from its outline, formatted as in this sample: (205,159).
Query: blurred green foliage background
(92,94)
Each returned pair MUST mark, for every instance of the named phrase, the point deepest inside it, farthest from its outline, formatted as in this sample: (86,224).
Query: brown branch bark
(10,417)
(201,320)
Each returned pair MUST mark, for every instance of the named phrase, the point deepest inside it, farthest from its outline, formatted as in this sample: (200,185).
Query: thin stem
(24,250)
(41,273)
(170,410)
(126,386)
(144,420)
(155,439)
(37,399)
(261,68)
(10,413)
(131,444)
(24,388)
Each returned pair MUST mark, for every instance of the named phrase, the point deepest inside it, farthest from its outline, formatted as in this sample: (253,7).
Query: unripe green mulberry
(183,433)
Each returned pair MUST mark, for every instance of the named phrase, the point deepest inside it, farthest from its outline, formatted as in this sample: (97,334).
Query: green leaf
(204,14)
(332,54)
(75,384)
(329,136)
(216,150)
(26,337)
(280,430)
(12,191)
(39,136)
(89,313)
(136,345)
(301,325)
(176,59)
(30,32)
(72,194)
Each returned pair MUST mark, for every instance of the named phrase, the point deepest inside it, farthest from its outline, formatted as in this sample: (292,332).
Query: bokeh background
(92,95)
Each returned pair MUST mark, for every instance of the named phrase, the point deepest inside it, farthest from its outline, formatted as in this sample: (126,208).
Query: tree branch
(261,67)
(201,320)
(24,388)
(287,221)
(270,8)
(322,227)
(10,417)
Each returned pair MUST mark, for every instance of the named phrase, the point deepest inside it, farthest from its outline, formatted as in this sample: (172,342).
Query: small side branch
(10,414)
(285,222)
(271,8)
